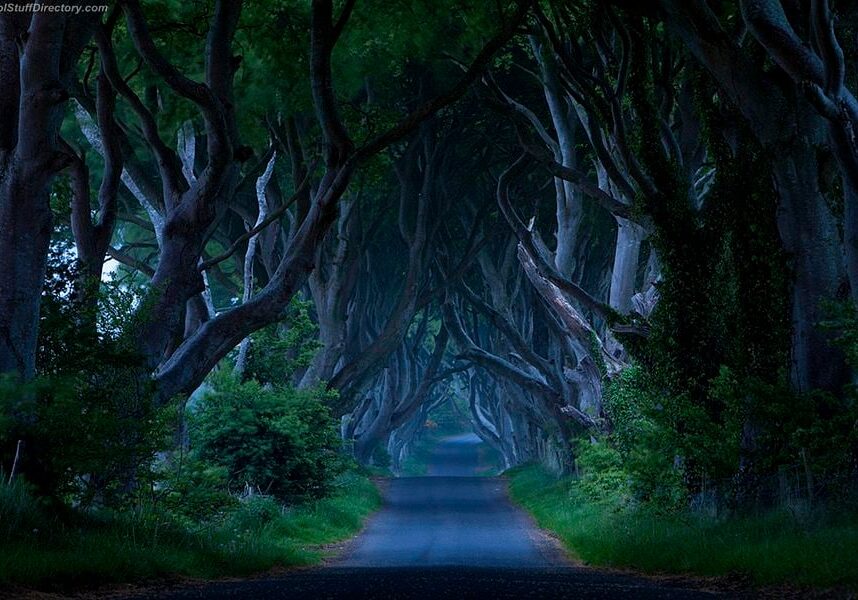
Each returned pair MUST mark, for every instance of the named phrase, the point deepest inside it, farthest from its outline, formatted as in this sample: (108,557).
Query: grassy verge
(254,537)
(772,549)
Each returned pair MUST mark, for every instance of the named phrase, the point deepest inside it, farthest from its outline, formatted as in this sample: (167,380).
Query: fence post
(15,461)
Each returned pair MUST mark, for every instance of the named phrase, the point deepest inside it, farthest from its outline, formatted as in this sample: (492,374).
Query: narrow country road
(451,518)
(449,535)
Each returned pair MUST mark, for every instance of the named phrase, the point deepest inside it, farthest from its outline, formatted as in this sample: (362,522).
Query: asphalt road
(451,518)
(449,535)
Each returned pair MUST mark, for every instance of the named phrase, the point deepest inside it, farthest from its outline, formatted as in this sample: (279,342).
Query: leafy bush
(602,476)
(645,441)
(762,428)
(109,546)
(87,421)
(83,441)
(193,489)
(277,440)
(253,512)
(771,548)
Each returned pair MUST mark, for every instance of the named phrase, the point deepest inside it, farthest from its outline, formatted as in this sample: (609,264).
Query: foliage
(87,424)
(814,432)
(772,548)
(20,512)
(193,489)
(251,536)
(277,440)
(278,351)
(720,333)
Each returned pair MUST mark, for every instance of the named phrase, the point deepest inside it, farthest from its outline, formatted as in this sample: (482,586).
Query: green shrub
(101,546)
(253,512)
(279,350)
(276,440)
(602,476)
(193,489)
(645,445)
(88,424)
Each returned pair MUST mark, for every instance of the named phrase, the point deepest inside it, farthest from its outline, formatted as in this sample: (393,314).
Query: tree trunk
(809,233)
(36,60)
(626,259)
(25,232)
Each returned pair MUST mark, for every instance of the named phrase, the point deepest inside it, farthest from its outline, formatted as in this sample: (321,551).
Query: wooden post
(15,461)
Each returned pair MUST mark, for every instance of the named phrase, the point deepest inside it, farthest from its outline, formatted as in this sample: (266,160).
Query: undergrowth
(774,548)
(72,549)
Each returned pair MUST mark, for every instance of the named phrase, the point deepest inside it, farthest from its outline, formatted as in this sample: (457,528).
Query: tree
(38,58)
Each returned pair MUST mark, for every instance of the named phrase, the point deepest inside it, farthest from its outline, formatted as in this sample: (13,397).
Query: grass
(255,537)
(773,549)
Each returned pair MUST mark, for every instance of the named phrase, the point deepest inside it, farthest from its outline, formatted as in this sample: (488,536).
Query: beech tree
(38,57)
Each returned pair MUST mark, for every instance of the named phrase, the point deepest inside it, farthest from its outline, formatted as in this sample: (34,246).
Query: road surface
(451,518)
(449,535)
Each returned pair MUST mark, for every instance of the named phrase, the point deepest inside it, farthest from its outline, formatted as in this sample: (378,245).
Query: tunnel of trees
(620,237)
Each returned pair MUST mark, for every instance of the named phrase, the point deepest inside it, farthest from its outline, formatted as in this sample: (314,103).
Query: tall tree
(38,57)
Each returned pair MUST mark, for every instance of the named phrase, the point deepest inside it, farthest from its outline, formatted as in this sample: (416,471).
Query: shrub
(602,476)
(277,440)
(193,489)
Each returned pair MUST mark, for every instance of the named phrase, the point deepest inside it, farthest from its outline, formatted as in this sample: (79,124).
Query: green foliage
(279,350)
(603,478)
(254,535)
(720,334)
(21,513)
(87,423)
(81,443)
(764,427)
(646,440)
(194,490)
(772,548)
(278,440)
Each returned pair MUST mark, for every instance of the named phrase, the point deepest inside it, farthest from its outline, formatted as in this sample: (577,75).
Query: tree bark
(29,158)
(630,236)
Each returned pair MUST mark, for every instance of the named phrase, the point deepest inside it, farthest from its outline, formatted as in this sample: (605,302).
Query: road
(451,518)
(449,535)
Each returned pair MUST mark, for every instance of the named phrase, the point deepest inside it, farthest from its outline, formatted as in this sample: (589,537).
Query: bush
(276,440)
(84,442)
(278,351)
(88,423)
(645,446)
(102,546)
(193,489)
(602,476)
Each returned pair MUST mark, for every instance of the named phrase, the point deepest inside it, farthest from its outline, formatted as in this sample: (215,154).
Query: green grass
(771,549)
(255,537)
